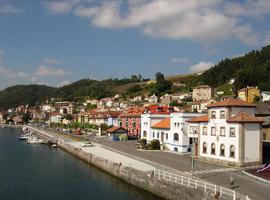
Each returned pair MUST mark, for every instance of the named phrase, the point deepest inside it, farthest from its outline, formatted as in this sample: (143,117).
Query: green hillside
(252,69)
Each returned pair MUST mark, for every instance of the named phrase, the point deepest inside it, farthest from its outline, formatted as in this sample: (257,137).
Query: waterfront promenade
(127,154)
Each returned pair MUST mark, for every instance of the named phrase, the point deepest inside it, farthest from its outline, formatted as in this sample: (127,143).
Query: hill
(25,94)
(252,69)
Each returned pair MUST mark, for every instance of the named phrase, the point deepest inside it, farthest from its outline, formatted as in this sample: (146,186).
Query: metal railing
(223,193)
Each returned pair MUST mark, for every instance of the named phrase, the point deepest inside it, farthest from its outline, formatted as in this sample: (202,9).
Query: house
(152,99)
(265,95)
(170,129)
(99,116)
(201,106)
(55,117)
(117,133)
(167,99)
(64,107)
(202,93)
(229,134)
(266,130)
(248,94)
(130,119)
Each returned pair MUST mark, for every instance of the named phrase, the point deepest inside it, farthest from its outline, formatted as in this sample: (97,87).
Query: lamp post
(192,156)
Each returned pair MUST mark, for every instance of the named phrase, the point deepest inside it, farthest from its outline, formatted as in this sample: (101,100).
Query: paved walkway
(113,156)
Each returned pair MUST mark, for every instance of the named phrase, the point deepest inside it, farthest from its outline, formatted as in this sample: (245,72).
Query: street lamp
(192,155)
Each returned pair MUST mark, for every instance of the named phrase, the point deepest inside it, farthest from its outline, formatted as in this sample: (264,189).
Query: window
(222,150)
(166,136)
(204,130)
(175,149)
(213,114)
(222,114)
(204,147)
(213,149)
(144,134)
(222,131)
(213,130)
(157,134)
(232,132)
(176,137)
(153,134)
(232,150)
(174,124)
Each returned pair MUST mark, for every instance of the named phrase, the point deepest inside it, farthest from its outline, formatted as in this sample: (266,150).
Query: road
(216,174)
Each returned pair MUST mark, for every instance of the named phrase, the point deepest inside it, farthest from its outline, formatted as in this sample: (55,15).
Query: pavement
(113,156)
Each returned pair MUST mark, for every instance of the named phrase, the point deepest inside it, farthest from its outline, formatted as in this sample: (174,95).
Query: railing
(223,193)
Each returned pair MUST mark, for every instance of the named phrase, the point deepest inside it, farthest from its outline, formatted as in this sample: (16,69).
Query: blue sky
(56,42)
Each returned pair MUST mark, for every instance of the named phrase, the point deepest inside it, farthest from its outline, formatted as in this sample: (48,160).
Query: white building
(170,129)
(229,134)
(265,96)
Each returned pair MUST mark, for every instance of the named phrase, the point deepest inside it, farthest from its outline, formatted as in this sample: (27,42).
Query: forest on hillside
(252,69)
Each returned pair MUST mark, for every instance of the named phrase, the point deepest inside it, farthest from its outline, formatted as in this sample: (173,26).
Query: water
(38,172)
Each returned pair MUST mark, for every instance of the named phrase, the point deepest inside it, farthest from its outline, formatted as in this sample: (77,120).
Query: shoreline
(139,174)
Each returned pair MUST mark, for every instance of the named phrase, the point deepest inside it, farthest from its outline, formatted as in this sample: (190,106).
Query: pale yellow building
(248,94)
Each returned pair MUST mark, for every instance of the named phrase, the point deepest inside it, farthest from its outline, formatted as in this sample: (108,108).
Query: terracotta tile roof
(115,128)
(156,109)
(133,112)
(243,117)
(203,118)
(163,124)
(231,103)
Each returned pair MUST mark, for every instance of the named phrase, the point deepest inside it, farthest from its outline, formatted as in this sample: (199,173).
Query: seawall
(142,179)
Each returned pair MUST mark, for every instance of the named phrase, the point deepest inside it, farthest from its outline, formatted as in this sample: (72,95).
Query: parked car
(87,144)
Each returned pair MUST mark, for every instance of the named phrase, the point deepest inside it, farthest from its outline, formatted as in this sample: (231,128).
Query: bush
(155,145)
(143,143)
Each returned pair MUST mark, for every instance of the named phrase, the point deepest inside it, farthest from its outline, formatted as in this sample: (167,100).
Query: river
(39,172)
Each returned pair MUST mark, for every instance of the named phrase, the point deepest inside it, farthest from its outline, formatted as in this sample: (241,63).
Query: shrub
(155,145)
(143,143)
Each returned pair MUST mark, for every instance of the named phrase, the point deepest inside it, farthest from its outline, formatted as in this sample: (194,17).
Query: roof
(115,128)
(203,118)
(243,117)
(266,92)
(163,124)
(202,86)
(156,109)
(133,112)
(231,103)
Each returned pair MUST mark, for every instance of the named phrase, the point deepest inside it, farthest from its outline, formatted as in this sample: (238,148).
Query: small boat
(54,145)
(25,136)
(34,140)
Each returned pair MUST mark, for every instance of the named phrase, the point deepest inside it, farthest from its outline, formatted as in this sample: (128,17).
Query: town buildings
(229,134)
(130,119)
(202,93)
(248,94)
(265,95)
(170,128)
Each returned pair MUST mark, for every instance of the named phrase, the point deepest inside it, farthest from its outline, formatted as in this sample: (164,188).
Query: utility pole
(193,152)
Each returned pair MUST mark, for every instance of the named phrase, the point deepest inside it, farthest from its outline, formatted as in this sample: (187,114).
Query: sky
(56,42)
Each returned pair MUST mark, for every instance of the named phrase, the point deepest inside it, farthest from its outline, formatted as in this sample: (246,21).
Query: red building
(131,120)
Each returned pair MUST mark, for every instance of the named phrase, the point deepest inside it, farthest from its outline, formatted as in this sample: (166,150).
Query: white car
(87,144)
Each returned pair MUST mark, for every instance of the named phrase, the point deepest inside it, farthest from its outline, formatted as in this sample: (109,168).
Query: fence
(224,193)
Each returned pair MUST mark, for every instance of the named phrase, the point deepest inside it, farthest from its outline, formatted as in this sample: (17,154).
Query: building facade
(248,94)
(202,93)
(229,134)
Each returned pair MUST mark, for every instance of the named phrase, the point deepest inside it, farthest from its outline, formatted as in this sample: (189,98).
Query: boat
(34,140)
(25,136)
(54,145)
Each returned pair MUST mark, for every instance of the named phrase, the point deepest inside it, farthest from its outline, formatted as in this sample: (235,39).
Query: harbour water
(39,172)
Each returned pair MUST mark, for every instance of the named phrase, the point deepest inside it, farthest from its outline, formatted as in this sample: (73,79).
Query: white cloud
(202,21)
(43,70)
(8,73)
(250,8)
(63,83)
(9,9)
(50,61)
(180,60)
(201,66)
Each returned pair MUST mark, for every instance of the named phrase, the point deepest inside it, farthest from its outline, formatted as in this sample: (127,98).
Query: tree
(159,77)
(26,117)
